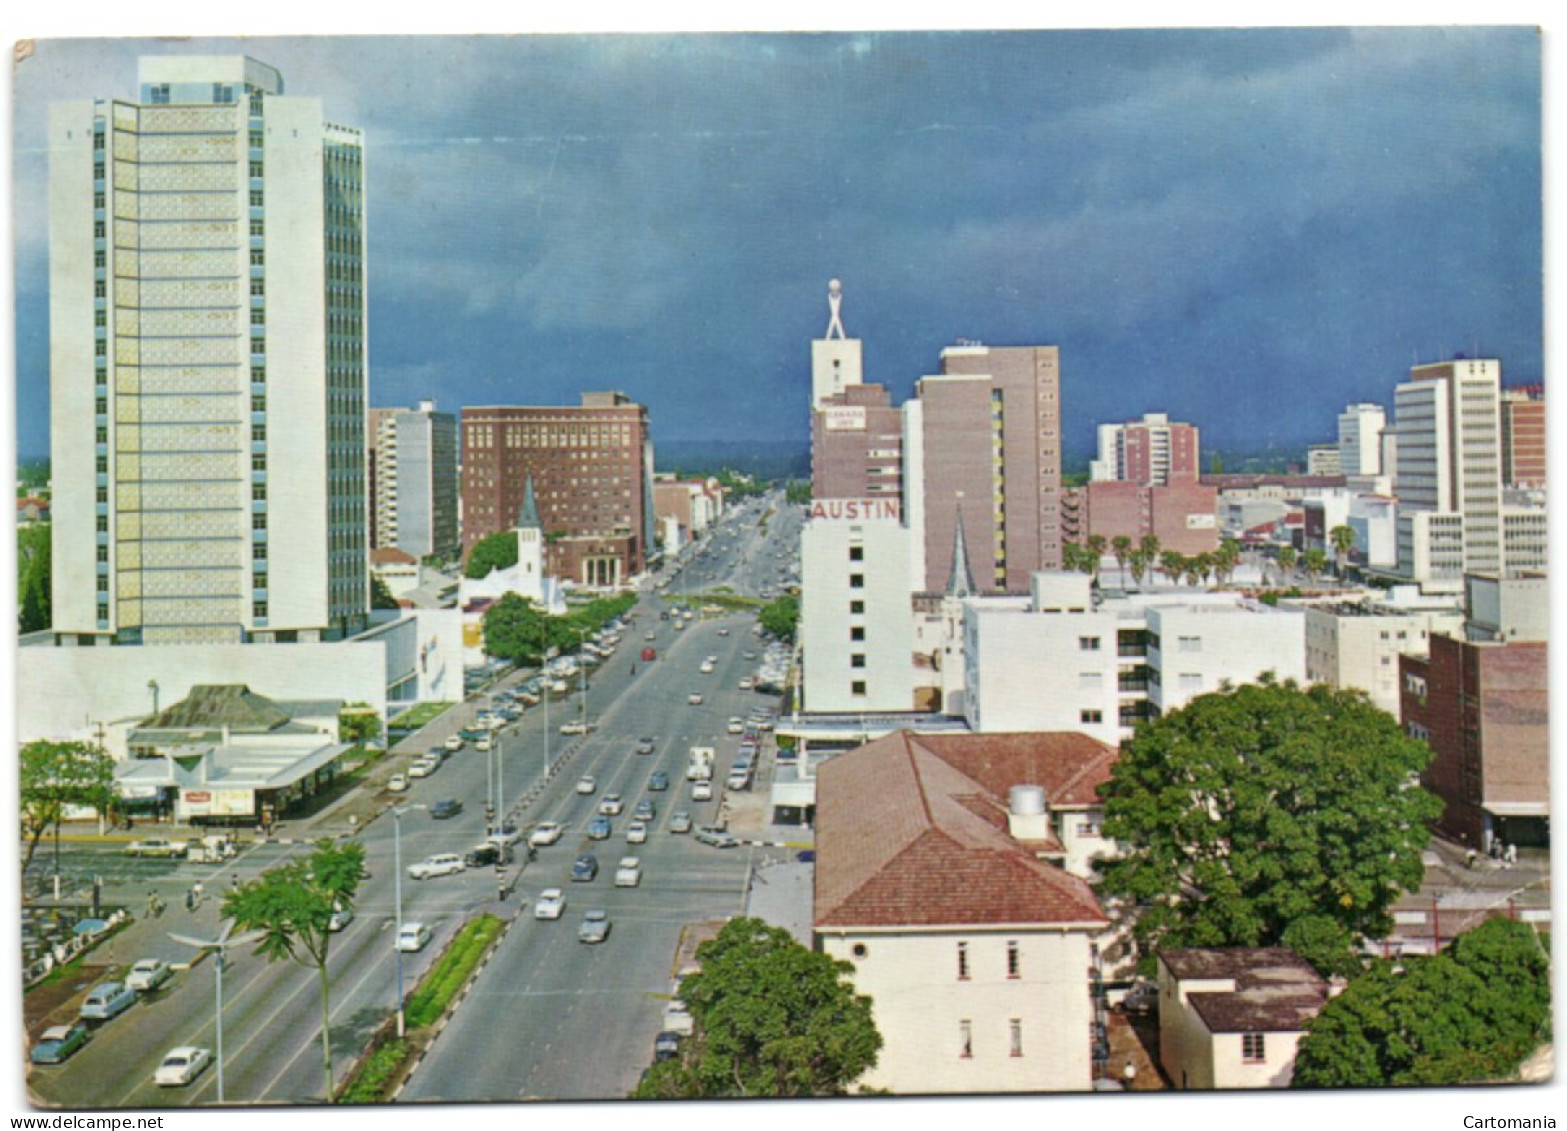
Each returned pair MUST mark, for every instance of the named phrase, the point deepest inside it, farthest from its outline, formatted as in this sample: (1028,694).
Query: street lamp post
(219,945)
(582,649)
(397,897)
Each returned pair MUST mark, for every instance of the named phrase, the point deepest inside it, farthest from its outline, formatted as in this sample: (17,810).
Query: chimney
(1028,813)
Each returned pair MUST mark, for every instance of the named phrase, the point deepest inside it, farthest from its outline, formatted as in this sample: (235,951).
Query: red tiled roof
(906,838)
(382,555)
(1071,766)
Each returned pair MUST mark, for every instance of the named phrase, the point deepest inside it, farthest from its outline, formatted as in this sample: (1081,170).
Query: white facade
(985,1030)
(1374,519)
(1358,647)
(205,241)
(416,482)
(1360,439)
(856,625)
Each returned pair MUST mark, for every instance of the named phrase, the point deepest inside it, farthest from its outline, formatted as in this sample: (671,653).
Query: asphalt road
(550,1017)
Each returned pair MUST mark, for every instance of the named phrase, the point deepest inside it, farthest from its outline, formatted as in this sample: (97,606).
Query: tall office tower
(1150,452)
(413,469)
(1360,439)
(1523,436)
(207,361)
(990,441)
(1446,421)
(836,358)
(592,467)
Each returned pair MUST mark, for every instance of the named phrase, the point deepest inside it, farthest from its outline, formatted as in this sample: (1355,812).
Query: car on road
(472,734)
(701,791)
(454,743)
(107,1000)
(550,904)
(446,807)
(587,783)
(577,728)
(658,781)
(680,821)
(440,864)
(546,833)
(342,915)
(599,828)
(628,873)
(58,1043)
(736,725)
(412,938)
(180,1066)
(718,838)
(723,632)
(487,855)
(695,699)
(645,744)
(157,847)
(594,928)
(666,1046)
(706,668)
(397,783)
(484,745)
(650,635)
(423,767)
(636,832)
(645,810)
(610,805)
(584,868)
(148,974)
(504,834)
(746,683)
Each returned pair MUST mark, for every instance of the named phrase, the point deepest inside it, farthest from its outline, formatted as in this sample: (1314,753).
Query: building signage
(1200,522)
(845,418)
(856,510)
(233,802)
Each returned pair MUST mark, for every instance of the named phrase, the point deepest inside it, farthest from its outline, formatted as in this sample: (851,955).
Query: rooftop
(1274,989)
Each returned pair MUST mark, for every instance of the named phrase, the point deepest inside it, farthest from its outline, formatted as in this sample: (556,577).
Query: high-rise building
(1149,452)
(207,361)
(1449,476)
(1523,436)
(592,467)
(413,467)
(1360,439)
(989,441)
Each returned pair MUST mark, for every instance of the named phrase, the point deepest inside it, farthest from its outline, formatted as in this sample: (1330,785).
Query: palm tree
(1139,561)
(1093,553)
(1342,538)
(1121,546)
(1287,562)
(1225,559)
(1071,555)
(1172,563)
(1149,544)
(1315,562)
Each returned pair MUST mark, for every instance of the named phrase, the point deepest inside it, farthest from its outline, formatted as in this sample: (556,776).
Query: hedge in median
(447,978)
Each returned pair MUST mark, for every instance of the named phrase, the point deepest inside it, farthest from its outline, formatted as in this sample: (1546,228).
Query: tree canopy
(498,551)
(33,594)
(515,626)
(292,906)
(56,776)
(1266,816)
(1472,1013)
(781,617)
(772,1018)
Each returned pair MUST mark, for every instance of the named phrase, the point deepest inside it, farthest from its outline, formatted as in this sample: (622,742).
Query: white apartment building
(207,362)
(856,624)
(1447,426)
(1357,644)
(416,480)
(1064,659)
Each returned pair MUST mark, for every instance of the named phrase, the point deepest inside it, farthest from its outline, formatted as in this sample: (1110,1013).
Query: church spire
(528,517)
(960,582)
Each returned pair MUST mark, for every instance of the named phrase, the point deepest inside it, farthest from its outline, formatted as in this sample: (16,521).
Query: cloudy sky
(1246,229)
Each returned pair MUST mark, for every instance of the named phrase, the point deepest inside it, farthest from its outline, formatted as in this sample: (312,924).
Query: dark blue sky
(1246,229)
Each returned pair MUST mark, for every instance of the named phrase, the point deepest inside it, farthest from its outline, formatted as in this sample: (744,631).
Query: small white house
(1232,1017)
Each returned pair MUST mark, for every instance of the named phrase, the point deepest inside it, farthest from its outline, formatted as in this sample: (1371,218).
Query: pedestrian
(1512,855)
(190,901)
(1469,858)
(1496,848)
(1129,1075)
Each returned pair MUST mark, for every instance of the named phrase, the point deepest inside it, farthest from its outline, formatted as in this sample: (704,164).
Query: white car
(423,768)
(702,791)
(441,864)
(587,783)
(636,832)
(398,783)
(180,1066)
(695,699)
(706,668)
(413,938)
(611,805)
(577,728)
(550,904)
(454,743)
(504,834)
(546,833)
(736,726)
(342,915)
(148,974)
(484,745)
(628,873)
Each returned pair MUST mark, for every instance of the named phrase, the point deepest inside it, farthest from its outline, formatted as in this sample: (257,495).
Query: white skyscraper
(416,481)
(207,361)
(1360,439)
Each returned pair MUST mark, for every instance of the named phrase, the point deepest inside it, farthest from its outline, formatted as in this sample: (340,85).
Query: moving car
(577,728)
(680,821)
(611,805)
(148,975)
(413,938)
(587,783)
(594,928)
(551,902)
(454,743)
(628,873)
(157,846)
(702,791)
(645,810)
(737,724)
(398,783)
(423,767)
(484,745)
(446,807)
(182,1065)
(718,838)
(599,828)
(645,744)
(695,699)
(636,832)
(658,782)
(110,999)
(342,915)
(584,868)
(504,834)
(441,864)
(487,855)
(58,1043)
(546,833)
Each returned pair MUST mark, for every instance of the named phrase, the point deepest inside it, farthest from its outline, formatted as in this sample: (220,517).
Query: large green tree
(1467,1015)
(57,776)
(781,617)
(292,905)
(498,551)
(33,577)
(772,1018)
(1265,816)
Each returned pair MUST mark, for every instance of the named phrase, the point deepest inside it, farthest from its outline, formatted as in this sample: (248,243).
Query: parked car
(441,864)
(107,1000)
(584,868)
(599,828)
(550,904)
(594,928)
(148,974)
(413,938)
(446,807)
(718,838)
(666,1046)
(546,833)
(180,1066)
(680,821)
(678,1020)
(398,783)
(58,1043)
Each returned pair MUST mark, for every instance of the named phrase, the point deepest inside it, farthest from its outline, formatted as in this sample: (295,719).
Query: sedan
(546,833)
(645,811)
(587,783)
(636,832)
(577,728)
(107,1000)
(398,783)
(148,974)
(446,807)
(611,805)
(680,821)
(584,868)
(58,1043)
(599,828)
(454,743)
(718,838)
(695,699)
(645,745)
(549,905)
(413,938)
(181,1066)
(702,791)
(658,782)
(595,927)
